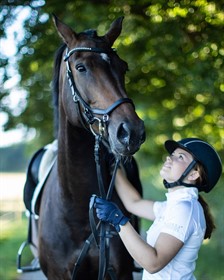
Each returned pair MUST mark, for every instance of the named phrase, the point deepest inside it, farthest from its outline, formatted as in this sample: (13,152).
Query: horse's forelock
(93,36)
(90,33)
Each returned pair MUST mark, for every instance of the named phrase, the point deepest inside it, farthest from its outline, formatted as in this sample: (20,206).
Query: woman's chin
(163,173)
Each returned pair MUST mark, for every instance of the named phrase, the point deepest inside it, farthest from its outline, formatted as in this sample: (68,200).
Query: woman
(180,223)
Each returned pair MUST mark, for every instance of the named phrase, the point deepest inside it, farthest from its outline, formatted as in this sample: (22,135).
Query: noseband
(88,112)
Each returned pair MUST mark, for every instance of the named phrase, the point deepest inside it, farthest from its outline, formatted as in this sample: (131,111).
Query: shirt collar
(183,193)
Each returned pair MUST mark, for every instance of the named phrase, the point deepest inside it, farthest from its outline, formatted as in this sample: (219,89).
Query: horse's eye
(80,68)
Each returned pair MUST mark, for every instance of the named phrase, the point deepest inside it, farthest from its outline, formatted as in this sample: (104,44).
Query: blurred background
(175,53)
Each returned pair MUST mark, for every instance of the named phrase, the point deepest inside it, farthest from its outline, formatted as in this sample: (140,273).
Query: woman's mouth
(166,165)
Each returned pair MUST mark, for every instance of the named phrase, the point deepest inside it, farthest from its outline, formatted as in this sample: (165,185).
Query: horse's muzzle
(128,138)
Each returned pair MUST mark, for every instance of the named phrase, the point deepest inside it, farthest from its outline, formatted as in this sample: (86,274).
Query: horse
(91,103)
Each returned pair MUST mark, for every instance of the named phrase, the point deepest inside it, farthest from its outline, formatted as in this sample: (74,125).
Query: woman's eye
(80,68)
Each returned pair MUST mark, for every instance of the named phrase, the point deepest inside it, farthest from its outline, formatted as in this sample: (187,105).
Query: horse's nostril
(130,137)
(123,134)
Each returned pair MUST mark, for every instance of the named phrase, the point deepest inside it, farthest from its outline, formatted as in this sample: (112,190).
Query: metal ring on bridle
(75,98)
(105,118)
(101,128)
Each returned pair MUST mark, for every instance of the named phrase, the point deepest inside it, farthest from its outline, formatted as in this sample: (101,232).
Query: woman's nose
(168,158)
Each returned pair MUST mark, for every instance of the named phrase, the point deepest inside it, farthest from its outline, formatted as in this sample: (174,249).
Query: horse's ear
(114,31)
(64,31)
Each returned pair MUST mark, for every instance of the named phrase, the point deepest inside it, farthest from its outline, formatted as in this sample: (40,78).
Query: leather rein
(88,116)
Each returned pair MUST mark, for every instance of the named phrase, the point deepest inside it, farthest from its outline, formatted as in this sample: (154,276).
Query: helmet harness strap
(180,182)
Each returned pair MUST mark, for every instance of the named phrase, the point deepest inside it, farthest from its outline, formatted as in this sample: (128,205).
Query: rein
(87,115)
(101,229)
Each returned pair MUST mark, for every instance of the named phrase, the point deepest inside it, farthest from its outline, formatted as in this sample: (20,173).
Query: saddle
(38,171)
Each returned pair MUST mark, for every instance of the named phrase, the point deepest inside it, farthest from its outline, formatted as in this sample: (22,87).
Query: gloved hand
(109,212)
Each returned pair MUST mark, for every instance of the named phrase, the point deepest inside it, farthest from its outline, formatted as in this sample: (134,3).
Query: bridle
(88,116)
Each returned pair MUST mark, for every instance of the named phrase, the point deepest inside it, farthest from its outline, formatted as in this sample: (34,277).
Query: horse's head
(95,81)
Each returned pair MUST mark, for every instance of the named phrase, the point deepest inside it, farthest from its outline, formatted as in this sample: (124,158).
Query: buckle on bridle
(101,127)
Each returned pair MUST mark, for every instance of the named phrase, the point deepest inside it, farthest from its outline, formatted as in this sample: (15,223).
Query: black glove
(109,212)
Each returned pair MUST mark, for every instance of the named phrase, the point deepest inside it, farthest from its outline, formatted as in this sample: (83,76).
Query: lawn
(10,240)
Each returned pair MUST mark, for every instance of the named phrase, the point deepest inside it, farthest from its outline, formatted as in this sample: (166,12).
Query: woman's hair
(201,181)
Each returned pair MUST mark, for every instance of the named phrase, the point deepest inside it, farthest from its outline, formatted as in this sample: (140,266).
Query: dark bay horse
(91,99)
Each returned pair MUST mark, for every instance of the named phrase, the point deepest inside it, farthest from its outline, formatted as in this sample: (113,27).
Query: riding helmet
(202,152)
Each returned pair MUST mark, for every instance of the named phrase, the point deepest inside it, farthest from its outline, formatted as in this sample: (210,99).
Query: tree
(175,54)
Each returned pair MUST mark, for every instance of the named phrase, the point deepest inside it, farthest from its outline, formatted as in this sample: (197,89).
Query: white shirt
(181,216)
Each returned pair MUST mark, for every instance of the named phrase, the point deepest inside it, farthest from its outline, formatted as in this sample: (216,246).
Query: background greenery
(14,158)
(175,52)
(10,242)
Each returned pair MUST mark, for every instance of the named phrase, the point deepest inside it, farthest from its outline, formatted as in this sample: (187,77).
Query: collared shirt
(181,216)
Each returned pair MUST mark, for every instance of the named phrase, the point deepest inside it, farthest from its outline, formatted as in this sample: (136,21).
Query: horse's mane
(55,85)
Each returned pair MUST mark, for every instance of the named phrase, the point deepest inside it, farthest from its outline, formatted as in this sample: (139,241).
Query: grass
(10,241)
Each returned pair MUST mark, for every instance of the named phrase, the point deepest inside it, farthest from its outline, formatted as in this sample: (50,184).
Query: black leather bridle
(88,116)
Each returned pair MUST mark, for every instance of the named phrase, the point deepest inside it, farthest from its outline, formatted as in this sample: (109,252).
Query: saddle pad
(46,165)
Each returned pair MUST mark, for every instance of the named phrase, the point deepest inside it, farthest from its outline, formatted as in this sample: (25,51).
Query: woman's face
(175,165)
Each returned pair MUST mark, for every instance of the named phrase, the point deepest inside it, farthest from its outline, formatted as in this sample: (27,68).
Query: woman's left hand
(109,212)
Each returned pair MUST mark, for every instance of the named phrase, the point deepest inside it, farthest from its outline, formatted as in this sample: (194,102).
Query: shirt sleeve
(177,220)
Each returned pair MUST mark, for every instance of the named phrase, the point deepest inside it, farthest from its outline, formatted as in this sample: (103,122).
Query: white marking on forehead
(105,57)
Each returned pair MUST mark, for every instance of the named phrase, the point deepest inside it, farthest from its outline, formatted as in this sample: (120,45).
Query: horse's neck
(76,165)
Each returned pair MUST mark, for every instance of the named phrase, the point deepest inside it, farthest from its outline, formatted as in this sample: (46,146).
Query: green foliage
(210,263)
(175,53)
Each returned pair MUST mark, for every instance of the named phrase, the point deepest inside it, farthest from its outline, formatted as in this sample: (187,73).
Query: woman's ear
(193,175)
